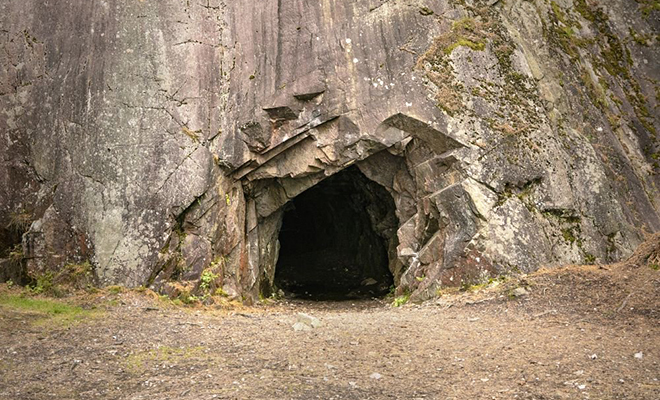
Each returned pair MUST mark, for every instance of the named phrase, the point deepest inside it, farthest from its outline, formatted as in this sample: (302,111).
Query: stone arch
(407,157)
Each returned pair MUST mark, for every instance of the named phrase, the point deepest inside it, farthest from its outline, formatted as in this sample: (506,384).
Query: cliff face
(163,140)
(105,103)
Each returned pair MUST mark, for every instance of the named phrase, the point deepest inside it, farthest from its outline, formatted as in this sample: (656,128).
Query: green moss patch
(477,46)
(647,7)
(607,53)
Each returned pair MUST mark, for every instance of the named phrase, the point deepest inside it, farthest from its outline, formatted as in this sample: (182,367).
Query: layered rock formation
(165,140)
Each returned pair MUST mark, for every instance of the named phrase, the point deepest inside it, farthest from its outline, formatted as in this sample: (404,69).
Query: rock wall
(161,140)
(109,109)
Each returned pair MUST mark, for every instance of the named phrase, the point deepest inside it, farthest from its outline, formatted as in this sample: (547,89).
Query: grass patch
(47,311)
(115,289)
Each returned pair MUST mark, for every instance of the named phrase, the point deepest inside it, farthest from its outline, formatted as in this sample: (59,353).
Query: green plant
(654,266)
(43,283)
(70,276)
(277,294)
(115,289)
(589,258)
(208,281)
(10,284)
(76,275)
(207,278)
(16,254)
(188,298)
(19,221)
(401,300)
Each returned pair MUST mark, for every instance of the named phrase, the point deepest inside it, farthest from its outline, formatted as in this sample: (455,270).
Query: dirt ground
(580,332)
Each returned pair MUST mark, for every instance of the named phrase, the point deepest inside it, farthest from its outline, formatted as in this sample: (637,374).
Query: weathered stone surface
(161,137)
(117,103)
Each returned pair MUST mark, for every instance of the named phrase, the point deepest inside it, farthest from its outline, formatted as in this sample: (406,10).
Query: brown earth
(581,332)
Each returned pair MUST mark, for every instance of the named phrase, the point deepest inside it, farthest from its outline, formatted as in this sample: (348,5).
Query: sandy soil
(582,332)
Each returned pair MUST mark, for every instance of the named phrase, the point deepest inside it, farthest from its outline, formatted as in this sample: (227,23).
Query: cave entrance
(337,239)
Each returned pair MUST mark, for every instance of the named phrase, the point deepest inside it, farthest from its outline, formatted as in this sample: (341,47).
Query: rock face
(160,140)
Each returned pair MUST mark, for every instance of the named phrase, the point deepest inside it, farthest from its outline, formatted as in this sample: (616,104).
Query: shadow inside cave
(333,240)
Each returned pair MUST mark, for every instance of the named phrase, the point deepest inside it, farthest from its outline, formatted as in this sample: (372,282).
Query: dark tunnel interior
(334,240)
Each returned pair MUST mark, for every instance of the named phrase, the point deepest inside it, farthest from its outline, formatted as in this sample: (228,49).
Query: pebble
(306,322)
(299,326)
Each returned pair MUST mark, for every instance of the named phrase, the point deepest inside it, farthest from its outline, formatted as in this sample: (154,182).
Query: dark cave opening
(336,238)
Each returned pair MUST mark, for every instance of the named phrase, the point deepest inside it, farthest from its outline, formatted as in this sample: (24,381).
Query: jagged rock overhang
(412,160)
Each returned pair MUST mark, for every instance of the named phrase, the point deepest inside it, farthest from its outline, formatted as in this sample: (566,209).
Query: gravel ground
(581,332)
